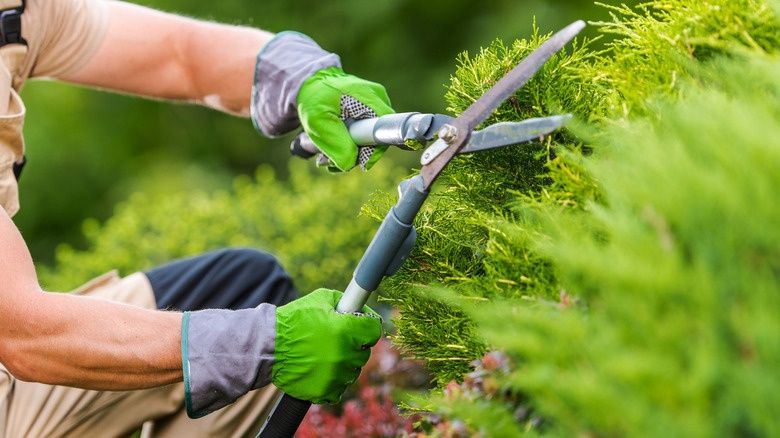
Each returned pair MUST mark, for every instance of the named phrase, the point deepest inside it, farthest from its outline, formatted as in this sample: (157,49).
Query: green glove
(298,83)
(306,348)
(319,351)
(331,96)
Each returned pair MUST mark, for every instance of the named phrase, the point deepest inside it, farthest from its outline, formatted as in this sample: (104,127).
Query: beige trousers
(38,410)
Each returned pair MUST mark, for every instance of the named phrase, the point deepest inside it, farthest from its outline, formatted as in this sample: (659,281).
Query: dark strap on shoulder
(18,167)
(11,33)
(11,26)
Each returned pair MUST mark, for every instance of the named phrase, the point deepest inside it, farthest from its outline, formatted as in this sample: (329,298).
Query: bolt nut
(448,133)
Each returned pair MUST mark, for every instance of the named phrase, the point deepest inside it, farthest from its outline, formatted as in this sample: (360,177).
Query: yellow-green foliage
(468,236)
(657,41)
(310,222)
(479,233)
(652,263)
(677,273)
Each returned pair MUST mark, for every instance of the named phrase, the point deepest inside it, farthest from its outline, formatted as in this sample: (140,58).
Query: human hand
(298,83)
(319,351)
(305,348)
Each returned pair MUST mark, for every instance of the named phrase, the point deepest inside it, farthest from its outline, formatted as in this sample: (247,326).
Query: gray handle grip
(388,249)
(390,246)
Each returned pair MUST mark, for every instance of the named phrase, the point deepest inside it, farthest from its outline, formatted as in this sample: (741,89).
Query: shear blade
(481,109)
(509,133)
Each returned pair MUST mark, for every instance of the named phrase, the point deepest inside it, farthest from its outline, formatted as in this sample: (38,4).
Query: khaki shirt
(62,36)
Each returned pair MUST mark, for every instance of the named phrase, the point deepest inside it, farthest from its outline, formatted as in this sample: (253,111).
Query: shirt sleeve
(62,35)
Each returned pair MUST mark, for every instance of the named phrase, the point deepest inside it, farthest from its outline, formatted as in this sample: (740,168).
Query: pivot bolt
(448,133)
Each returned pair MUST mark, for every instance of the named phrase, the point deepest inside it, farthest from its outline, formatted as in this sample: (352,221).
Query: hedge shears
(396,236)
(402,129)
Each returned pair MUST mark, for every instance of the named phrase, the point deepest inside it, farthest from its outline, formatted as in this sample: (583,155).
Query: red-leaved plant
(370,411)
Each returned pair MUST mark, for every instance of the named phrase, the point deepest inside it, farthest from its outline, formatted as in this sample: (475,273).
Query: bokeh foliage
(311,224)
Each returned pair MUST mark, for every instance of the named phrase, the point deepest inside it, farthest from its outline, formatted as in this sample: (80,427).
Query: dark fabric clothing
(224,279)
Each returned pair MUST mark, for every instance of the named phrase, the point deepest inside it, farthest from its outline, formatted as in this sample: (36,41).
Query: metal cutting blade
(485,105)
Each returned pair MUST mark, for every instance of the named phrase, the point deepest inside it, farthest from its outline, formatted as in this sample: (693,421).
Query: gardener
(63,356)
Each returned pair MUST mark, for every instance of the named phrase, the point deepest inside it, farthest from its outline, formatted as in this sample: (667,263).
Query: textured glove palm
(326,100)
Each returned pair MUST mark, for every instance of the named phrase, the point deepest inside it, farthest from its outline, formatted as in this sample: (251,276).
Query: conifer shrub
(479,232)
(628,267)
(667,323)
(310,222)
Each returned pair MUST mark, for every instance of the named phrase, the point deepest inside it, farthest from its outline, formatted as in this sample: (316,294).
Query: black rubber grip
(285,418)
(18,167)
(303,147)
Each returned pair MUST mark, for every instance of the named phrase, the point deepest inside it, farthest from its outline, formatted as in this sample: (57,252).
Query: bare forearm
(95,344)
(75,340)
(161,55)
(222,67)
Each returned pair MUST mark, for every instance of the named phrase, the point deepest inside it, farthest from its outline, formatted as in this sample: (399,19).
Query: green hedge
(667,322)
(479,233)
(310,222)
(635,286)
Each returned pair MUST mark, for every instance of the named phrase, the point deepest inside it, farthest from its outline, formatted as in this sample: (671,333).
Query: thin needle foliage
(596,256)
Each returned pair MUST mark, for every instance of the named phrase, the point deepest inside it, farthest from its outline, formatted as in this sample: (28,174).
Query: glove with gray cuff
(306,348)
(298,83)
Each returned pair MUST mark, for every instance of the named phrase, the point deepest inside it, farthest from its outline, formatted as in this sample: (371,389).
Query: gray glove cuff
(225,354)
(282,66)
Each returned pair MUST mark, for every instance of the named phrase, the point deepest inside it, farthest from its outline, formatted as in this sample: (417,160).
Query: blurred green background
(88,150)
